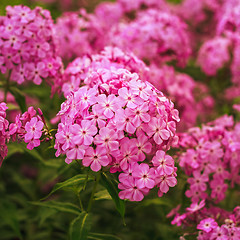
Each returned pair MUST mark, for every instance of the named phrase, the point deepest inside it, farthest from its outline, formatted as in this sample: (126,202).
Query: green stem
(93,192)
(80,201)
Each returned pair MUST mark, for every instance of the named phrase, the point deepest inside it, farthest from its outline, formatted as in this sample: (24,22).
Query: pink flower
(95,158)
(145,176)
(196,207)
(66,136)
(207,225)
(127,153)
(76,152)
(35,72)
(156,127)
(131,191)
(164,182)
(84,133)
(108,105)
(33,129)
(198,182)
(107,138)
(124,121)
(163,162)
(143,146)
(139,114)
(128,98)
(33,143)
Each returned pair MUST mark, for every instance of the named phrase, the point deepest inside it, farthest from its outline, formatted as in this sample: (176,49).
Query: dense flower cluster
(211,157)
(163,35)
(79,33)
(188,95)
(214,54)
(27,45)
(4,135)
(76,73)
(214,223)
(119,121)
(27,127)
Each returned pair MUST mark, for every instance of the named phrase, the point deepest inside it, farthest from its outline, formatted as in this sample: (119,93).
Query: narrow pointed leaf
(78,180)
(80,227)
(112,189)
(100,236)
(59,206)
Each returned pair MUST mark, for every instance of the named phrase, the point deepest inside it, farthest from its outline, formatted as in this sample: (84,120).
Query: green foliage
(112,189)
(77,182)
(80,227)
(59,206)
(19,97)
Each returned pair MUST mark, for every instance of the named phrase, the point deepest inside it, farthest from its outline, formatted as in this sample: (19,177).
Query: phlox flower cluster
(211,159)
(77,71)
(198,12)
(108,14)
(214,54)
(223,47)
(124,124)
(188,95)
(4,135)
(163,35)
(28,49)
(79,33)
(27,127)
(212,222)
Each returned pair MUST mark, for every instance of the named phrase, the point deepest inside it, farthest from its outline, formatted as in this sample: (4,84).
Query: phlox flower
(131,191)
(128,98)
(139,114)
(164,182)
(145,176)
(207,225)
(156,127)
(107,138)
(84,133)
(33,129)
(124,121)
(163,162)
(127,153)
(143,146)
(95,158)
(107,104)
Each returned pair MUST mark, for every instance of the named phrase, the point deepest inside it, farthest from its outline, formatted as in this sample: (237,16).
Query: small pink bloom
(33,129)
(207,225)
(95,158)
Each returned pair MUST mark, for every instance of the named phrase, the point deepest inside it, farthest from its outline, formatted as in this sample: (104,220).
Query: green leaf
(100,236)
(59,206)
(80,227)
(102,195)
(44,214)
(112,189)
(156,201)
(8,214)
(19,97)
(76,181)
